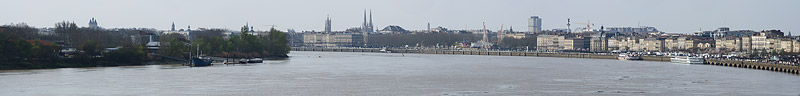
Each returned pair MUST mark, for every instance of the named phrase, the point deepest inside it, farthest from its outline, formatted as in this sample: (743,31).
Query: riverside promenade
(719,62)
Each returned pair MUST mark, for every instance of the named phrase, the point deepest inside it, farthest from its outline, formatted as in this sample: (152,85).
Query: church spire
(328,23)
(93,23)
(364,24)
(371,27)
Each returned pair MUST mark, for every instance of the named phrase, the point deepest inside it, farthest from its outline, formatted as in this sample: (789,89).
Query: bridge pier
(755,65)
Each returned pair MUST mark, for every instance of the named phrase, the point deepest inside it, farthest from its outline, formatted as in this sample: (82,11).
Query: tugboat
(198,60)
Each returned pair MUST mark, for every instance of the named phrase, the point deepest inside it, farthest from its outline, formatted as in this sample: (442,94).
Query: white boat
(385,51)
(255,60)
(687,60)
(628,57)
(243,61)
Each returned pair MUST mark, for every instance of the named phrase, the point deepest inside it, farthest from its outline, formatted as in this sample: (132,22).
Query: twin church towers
(365,26)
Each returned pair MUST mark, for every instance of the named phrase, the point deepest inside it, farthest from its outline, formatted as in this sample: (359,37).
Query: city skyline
(670,16)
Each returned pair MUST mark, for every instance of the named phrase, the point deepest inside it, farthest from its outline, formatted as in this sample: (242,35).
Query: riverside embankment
(719,62)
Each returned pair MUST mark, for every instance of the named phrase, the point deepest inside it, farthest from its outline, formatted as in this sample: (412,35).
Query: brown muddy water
(394,74)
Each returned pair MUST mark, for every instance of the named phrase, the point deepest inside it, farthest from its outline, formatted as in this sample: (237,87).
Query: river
(381,74)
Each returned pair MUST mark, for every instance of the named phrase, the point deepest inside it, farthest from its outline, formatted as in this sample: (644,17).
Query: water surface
(341,73)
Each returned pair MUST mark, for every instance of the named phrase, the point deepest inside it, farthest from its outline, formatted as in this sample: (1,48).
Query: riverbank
(480,52)
(64,64)
(720,62)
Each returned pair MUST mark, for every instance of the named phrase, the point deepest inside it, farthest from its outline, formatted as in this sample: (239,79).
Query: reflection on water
(334,73)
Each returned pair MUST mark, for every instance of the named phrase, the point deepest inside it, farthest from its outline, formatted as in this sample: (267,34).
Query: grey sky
(666,15)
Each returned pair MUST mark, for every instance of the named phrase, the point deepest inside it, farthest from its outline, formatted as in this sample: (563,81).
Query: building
(429,28)
(631,44)
(724,32)
(576,43)
(534,24)
(613,43)
(766,40)
(295,39)
(733,43)
(600,42)
(440,29)
(93,24)
(628,30)
(747,44)
(654,45)
(674,43)
(332,40)
(682,43)
(393,29)
(549,42)
(788,45)
(562,42)
(519,35)
(328,24)
(367,27)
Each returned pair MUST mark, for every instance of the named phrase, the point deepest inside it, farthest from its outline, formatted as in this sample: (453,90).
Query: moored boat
(687,60)
(243,61)
(255,60)
(628,57)
(198,62)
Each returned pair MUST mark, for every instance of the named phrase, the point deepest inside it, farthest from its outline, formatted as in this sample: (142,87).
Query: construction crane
(500,35)
(588,24)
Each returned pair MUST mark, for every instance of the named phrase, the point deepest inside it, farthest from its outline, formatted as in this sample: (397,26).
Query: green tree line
(211,42)
(23,48)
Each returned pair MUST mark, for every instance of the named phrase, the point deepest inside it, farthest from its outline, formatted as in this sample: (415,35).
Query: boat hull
(255,60)
(628,57)
(687,60)
(197,62)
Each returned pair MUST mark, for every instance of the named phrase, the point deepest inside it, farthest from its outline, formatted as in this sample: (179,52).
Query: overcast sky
(667,15)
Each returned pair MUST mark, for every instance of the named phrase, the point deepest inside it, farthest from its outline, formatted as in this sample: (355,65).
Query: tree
(127,55)
(21,30)
(518,43)
(92,48)
(65,29)
(277,44)
(176,47)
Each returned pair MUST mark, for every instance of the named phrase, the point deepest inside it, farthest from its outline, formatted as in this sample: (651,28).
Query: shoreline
(168,62)
(710,61)
(143,64)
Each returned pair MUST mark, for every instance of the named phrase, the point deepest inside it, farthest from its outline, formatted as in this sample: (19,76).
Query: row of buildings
(606,39)
(767,40)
